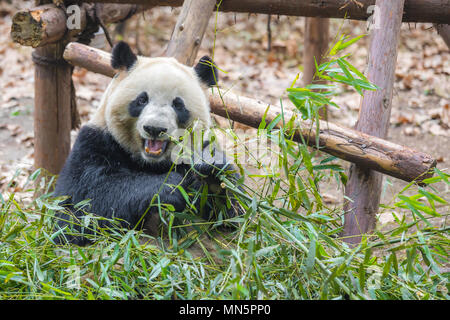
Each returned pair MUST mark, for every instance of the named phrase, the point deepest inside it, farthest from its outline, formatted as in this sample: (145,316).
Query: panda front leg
(128,196)
(145,193)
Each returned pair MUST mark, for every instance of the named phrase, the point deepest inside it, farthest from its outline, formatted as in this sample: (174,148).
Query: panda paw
(207,170)
(177,200)
(211,163)
(235,209)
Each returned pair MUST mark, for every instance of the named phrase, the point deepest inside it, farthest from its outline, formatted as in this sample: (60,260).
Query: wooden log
(444,31)
(436,11)
(364,185)
(46,24)
(189,30)
(39,26)
(90,58)
(371,152)
(316,45)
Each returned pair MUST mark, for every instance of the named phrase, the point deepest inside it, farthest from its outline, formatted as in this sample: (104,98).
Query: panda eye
(178,104)
(142,99)
(137,105)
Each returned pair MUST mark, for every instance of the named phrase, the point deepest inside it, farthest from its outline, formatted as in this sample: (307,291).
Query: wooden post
(365,150)
(364,185)
(52,107)
(316,45)
(189,30)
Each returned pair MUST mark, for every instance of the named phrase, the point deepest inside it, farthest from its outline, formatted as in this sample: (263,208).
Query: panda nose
(154,131)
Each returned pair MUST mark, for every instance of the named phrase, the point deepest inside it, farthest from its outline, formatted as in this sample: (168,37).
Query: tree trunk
(364,185)
(436,11)
(365,150)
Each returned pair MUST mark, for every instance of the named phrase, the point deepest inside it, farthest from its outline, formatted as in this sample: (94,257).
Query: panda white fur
(122,157)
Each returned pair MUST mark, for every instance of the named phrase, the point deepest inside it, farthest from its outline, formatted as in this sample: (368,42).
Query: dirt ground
(421,106)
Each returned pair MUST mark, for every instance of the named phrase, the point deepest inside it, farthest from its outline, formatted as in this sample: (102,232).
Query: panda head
(150,100)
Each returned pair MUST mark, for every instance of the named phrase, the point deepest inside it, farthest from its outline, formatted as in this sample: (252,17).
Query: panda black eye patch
(137,105)
(180,110)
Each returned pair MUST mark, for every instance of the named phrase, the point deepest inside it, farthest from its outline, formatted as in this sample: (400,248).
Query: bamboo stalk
(365,150)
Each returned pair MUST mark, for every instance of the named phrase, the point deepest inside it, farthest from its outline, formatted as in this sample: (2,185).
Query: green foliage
(277,253)
(311,98)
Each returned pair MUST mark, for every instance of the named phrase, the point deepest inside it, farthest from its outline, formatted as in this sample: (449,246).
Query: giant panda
(123,156)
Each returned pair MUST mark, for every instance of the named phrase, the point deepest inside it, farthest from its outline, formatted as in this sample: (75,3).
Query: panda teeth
(155,147)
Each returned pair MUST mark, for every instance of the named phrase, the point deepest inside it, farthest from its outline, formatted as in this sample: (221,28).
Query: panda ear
(206,71)
(122,56)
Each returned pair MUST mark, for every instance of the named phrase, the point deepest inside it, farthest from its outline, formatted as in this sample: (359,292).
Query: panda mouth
(154,147)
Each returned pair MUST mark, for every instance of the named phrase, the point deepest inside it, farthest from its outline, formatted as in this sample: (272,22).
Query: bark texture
(364,185)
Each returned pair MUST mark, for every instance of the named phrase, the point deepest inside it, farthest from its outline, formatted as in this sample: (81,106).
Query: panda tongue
(154,146)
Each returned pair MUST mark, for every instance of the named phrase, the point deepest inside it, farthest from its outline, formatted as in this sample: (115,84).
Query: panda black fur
(119,160)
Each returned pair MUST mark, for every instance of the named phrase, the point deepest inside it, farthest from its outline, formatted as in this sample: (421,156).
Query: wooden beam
(364,185)
(365,150)
(189,30)
(90,58)
(39,26)
(435,11)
